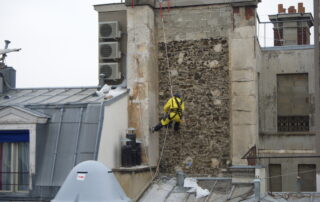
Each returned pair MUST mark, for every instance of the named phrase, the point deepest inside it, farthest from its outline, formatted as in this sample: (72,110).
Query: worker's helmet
(177,95)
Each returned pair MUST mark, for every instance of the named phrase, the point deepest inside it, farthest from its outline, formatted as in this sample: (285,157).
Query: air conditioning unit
(111,71)
(109,50)
(109,30)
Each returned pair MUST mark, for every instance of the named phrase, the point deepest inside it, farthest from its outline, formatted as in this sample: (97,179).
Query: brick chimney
(290,28)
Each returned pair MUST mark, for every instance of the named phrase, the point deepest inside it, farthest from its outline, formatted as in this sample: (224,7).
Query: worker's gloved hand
(183,121)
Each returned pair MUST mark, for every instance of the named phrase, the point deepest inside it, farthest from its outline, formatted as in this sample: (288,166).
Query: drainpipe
(256,183)
(317,76)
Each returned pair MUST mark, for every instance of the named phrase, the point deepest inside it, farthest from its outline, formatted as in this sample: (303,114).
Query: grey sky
(59,39)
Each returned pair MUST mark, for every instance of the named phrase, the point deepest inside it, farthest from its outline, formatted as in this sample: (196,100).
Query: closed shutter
(307,174)
(275,180)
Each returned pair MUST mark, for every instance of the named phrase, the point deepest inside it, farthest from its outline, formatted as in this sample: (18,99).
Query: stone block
(244,103)
(242,58)
(244,89)
(244,117)
(243,75)
(243,138)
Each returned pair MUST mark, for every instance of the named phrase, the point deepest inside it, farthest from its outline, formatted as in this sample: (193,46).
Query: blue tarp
(14,136)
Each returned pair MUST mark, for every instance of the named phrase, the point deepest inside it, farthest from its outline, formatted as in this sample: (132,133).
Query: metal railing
(10,181)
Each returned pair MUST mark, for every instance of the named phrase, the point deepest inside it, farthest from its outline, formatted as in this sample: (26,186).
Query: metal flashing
(116,98)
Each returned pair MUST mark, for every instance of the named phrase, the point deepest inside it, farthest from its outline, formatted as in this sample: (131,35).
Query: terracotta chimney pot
(300,8)
(280,8)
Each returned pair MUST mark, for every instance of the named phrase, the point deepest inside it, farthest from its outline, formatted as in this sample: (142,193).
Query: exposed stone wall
(199,70)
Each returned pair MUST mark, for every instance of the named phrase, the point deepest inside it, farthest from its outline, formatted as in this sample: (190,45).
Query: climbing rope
(167,57)
(171,91)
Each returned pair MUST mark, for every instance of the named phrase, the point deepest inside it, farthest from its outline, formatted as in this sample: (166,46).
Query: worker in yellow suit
(174,111)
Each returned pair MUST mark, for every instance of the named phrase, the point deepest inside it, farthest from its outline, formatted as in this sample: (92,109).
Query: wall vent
(109,50)
(109,30)
(111,71)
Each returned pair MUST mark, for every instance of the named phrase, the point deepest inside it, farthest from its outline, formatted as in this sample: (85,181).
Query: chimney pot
(300,8)
(292,9)
(280,8)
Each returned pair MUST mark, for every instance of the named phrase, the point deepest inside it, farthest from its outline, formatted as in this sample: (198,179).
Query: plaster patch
(218,48)
(217,102)
(214,64)
(216,92)
(181,55)
(174,72)
(215,163)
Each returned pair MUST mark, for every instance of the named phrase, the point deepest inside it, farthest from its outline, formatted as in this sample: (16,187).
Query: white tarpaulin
(194,187)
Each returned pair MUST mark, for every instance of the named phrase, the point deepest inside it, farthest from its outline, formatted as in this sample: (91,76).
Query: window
(275,180)
(293,102)
(14,160)
(307,174)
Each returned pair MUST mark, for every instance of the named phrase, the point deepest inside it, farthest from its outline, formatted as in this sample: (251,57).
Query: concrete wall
(283,61)
(115,125)
(244,94)
(289,170)
(143,78)
(139,64)
(317,78)
(194,23)
(134,182)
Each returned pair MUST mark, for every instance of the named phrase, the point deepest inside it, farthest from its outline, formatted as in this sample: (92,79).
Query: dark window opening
(292,102)
(307,174)
(275,179)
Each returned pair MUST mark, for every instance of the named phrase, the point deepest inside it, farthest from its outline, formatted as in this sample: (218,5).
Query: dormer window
(18,147)
(14,160)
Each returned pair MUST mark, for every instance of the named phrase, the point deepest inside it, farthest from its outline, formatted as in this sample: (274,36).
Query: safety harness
(178,111)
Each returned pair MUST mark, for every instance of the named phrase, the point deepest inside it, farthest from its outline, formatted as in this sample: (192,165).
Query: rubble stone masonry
(200,72)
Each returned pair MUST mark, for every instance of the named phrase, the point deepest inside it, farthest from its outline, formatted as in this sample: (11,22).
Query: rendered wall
(143,78)
(283,61)
(244,83)
(115,125)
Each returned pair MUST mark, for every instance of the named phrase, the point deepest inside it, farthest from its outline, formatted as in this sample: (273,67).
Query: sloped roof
(49,96)
(71,133)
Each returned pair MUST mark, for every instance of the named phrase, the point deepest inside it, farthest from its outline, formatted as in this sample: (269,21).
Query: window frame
(32,150)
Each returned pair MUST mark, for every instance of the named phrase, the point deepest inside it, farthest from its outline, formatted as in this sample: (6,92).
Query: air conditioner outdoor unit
(111,71)
(109,50)
(109,30)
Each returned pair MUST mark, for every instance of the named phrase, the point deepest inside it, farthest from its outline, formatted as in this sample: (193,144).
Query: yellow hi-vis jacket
(174,106)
